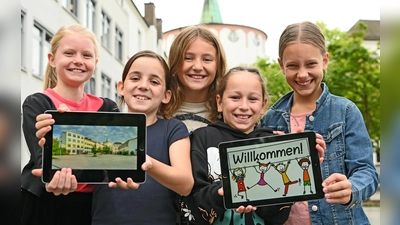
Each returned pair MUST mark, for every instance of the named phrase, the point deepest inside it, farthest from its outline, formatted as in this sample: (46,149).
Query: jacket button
(314,208)
(311,118)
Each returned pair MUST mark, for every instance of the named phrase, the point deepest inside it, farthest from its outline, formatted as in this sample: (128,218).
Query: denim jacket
(348,151)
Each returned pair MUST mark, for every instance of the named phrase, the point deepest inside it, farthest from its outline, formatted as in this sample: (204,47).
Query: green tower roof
(210,13)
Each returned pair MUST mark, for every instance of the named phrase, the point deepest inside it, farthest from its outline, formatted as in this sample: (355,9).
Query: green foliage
(353,72)
(276,82)
(106,150)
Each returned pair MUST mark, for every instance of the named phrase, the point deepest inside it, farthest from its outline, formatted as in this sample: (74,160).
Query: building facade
(242,44)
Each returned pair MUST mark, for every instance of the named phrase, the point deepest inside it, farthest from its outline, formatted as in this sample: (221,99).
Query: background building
(242,44)
(120,29)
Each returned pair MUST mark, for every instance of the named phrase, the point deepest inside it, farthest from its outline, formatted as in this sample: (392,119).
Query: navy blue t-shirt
(152,203)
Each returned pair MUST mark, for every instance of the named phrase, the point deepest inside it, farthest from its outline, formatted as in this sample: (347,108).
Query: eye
(235,97)
(208,59)
(68,53)
(312,64)
(188,58)
(86,55)
(134,78)
(155,82)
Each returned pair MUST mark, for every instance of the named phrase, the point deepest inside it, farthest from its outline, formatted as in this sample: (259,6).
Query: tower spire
(210,13)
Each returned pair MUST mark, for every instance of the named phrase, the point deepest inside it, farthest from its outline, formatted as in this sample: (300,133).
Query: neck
(196,96)
(70,93)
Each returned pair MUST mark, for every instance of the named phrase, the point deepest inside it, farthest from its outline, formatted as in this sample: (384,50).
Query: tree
(276,83)
(94,150)
(354,73)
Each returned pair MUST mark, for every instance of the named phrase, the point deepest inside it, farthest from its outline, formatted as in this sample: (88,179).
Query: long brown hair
(176,58)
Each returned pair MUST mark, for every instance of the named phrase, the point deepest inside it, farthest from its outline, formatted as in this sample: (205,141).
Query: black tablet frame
(250,150)
(120,120)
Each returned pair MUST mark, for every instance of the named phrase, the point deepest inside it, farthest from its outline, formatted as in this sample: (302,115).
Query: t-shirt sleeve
(176,130)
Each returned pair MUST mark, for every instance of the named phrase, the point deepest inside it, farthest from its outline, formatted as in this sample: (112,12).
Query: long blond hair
(50,75)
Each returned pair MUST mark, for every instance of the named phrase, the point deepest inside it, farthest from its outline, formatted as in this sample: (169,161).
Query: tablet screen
(97,146)
(270,170)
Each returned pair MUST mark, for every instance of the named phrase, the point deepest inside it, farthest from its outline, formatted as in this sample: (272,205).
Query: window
(233,37)
(116,97)
(105,30)
(22,39)
(118,44)
(90,86)
(139,40)
(71,6)
(40,48)
(105,86)
(90,15)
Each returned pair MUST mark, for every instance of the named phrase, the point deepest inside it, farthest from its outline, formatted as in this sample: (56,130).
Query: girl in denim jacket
(348,171)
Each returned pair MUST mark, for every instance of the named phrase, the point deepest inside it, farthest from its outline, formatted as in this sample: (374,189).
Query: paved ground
(99,162)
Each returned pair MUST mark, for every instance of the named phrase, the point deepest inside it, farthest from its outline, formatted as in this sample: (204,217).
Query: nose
(143,84)
(197,65)
(244,104)
(302,72)
(77,59)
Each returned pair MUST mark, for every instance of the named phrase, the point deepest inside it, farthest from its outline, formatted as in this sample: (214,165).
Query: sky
(269,16)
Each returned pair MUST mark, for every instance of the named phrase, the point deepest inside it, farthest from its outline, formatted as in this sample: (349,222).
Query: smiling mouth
(196,76)
(77,70)
(140,97)
(304,83)
(242,117)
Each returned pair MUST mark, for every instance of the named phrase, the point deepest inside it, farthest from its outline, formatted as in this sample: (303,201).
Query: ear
(97,60)
(120,87)
(326,60)
(264,104)
(50,57)
(219,102)
(281,65)
(167,97)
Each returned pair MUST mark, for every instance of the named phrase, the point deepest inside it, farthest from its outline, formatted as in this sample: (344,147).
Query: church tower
(210,13)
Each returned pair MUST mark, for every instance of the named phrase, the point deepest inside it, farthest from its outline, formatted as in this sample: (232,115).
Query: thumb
(299,129)
(63,108)
(37,172)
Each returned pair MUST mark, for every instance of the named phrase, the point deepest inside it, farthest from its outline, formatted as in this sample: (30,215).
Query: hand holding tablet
(97,146)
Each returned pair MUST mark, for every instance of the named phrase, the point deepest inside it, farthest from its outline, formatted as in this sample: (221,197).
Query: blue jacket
(348,151)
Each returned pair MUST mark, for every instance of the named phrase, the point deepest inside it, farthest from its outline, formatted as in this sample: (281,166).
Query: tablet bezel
(95,176)
(229,186)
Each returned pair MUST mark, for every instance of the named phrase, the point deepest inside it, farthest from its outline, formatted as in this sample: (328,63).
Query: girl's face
(303,66)
(144,87)
(198,70)
(74,60)
(242,102)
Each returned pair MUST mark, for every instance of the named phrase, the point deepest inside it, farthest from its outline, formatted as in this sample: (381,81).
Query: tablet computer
(97,146)
(270,170)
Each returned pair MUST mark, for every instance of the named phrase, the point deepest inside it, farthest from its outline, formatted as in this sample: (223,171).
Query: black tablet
(270,170)
(97,146)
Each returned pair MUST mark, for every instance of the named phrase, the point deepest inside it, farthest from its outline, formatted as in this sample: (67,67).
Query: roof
(210,13)
(373,31)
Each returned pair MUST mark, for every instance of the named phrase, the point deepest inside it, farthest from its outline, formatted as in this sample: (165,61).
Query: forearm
(175,179)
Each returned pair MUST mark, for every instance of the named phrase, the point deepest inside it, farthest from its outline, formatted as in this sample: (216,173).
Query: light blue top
(348,151)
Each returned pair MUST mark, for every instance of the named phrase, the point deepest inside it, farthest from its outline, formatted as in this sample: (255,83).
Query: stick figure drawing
(238,176)
(262,168)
